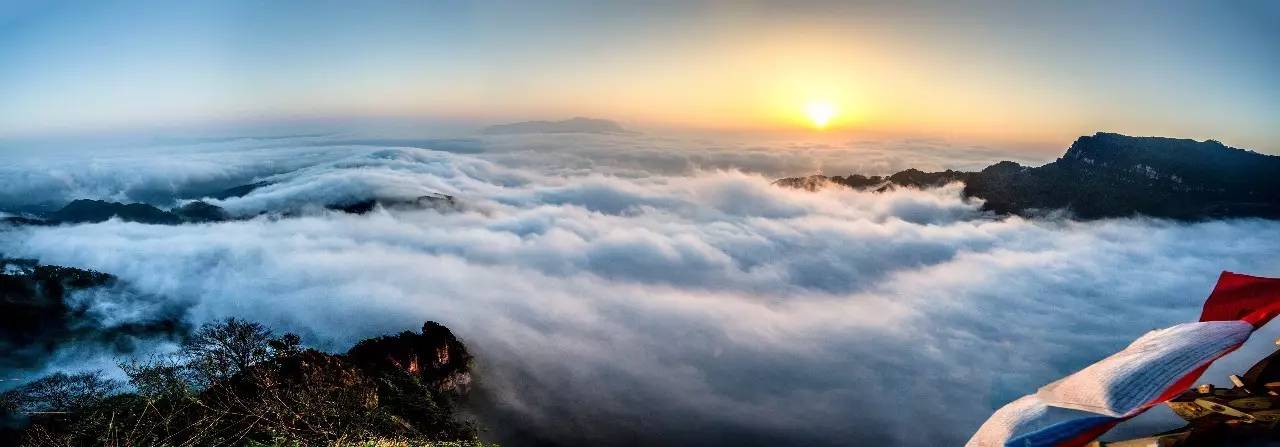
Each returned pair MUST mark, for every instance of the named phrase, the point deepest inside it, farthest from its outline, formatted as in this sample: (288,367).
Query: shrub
(233,383)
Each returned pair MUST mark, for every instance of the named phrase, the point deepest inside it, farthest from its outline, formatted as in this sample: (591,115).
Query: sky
(1032,72)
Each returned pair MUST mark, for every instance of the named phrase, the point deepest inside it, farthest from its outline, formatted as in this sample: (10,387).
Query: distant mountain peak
(1112,175)
(577,124)
(1108,144)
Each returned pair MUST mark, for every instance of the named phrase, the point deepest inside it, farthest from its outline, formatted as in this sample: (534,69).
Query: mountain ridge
(1109,175)
(199,211)
(576,124)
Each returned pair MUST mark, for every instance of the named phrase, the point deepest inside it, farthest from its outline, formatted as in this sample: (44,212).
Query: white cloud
(680,306)
(158,171)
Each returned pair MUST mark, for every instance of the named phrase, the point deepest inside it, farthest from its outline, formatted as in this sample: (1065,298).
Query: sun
(820,112)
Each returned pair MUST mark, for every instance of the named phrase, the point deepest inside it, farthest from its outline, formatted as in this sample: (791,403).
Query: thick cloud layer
(154,174)
(617,301)
(158,171)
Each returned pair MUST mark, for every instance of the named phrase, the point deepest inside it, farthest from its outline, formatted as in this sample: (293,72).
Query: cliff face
(434,356)
(1112,175)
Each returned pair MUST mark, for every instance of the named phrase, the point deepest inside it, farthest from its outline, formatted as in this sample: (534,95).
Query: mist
(642,290)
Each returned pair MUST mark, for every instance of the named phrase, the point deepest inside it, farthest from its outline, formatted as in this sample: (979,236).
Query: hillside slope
(1111,175)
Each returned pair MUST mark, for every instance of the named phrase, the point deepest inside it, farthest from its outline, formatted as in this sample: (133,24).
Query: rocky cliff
(1110,175)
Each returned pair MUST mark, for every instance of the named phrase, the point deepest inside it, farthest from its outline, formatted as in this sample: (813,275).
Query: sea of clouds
(641,290)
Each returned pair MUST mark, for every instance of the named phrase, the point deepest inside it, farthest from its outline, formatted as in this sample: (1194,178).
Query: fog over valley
(632,288)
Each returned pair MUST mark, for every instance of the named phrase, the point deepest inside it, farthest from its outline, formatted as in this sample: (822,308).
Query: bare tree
(59,393)
(232,383)
(220,350)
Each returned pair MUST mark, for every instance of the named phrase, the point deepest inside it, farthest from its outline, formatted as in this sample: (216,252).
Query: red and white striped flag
(1154,368)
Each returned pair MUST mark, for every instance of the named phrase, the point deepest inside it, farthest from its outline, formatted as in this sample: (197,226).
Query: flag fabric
(1154,368)
(1242,297)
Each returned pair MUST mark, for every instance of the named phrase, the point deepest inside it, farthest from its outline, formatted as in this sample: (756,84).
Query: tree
(232,383)
(218,351)
(59,393)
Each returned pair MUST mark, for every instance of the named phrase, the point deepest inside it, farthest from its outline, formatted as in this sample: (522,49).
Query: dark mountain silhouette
(364,206)
(572,125)
(92,211)
(85,210)
(36,316)
(1110,175)
(200,212)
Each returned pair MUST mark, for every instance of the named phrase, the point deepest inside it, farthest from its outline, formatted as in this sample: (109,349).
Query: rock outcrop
(1111,175)
(392,390)
(434,356)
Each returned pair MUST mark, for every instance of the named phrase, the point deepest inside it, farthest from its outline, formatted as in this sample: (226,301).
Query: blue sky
(1001,71)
